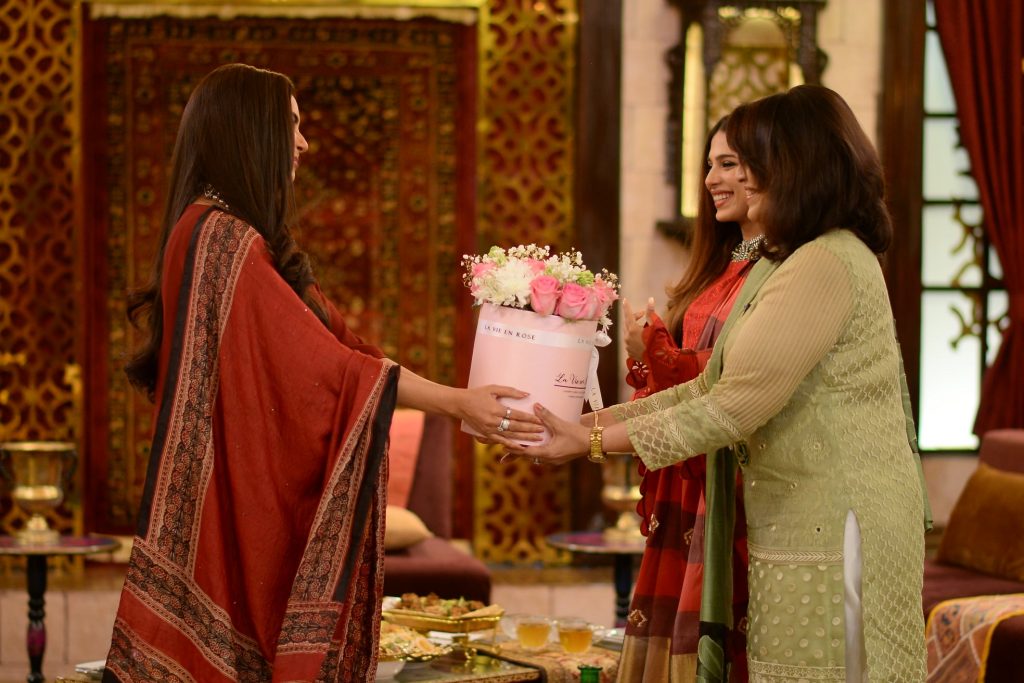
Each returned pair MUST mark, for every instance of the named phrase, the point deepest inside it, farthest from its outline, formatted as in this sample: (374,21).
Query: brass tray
(424,621)
(414,656)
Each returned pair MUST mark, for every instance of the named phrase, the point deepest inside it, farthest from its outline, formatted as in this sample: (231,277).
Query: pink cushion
(406,435)
(1003,449)
(431,495)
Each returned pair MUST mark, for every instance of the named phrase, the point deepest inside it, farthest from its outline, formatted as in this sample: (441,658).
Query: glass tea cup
(575,635)
(532,631)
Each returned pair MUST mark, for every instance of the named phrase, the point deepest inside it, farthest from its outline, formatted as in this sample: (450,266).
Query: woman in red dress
(663,625)
(258,554)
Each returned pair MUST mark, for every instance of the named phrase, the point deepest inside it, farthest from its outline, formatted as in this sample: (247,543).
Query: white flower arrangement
(530,277)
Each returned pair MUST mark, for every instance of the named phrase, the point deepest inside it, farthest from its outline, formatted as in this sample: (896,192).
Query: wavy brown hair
(236,135)
(815,168)
(710,250)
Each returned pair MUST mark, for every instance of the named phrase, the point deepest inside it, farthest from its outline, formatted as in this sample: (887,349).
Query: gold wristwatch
(596,453)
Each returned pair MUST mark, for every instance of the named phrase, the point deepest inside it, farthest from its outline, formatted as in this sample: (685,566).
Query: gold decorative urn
(38,472)
(621,493)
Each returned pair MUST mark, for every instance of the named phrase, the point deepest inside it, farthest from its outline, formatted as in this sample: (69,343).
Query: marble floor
(80,609)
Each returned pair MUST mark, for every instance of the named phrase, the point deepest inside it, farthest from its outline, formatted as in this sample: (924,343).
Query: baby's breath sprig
(531,277)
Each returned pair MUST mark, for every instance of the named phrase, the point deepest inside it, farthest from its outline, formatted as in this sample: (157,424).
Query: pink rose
(606,291)
(606,294)
(479,271)
(595,304)
(544,291)
(482,268)
(575,302)
(536,266)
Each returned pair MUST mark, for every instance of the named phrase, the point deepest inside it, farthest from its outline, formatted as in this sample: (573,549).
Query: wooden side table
(35,556)
(595,543)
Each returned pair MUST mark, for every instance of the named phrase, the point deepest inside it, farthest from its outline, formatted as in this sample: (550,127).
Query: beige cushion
(403,528)
(986,527)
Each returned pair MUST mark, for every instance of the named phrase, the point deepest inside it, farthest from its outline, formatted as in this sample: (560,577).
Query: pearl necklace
(747,250)
(211,193)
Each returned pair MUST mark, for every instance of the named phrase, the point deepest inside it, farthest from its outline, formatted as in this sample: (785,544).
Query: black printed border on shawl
(182,604)
(151,666)
(308,628)
(217,252)
(169,521)
(173,365)
(326,569)
(346,574)
(361,584)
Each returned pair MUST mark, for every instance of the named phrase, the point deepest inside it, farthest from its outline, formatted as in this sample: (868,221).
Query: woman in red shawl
(663,625)
(259,549)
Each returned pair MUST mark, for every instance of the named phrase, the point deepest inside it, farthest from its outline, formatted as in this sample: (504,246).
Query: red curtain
(983,41)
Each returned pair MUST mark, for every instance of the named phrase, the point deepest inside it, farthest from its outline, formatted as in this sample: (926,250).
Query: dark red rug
(386,190)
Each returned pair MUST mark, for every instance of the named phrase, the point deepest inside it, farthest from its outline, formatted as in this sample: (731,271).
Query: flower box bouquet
(541,317)
(530,278)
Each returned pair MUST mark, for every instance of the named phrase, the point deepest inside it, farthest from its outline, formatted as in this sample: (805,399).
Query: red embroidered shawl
(666,599)
(259,549)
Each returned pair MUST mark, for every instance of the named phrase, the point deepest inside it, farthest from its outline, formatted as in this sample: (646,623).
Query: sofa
(435,564)
(1002,450)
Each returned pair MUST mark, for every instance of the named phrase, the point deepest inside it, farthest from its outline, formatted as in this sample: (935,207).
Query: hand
(482,411)
(569,440)
(634,334)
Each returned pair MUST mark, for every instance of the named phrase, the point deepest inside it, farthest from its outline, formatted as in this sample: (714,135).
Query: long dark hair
(237,136)
(710,250)
(815,167)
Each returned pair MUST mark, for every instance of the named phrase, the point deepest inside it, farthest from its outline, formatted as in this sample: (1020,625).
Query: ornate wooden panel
(529,113)
(37,319)
(526,195)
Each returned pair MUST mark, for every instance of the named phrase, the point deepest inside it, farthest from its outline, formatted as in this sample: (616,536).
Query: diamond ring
(503,425)
(508,414)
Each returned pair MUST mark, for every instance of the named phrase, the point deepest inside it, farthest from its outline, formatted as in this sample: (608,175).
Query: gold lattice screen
(39,381)
(526,196)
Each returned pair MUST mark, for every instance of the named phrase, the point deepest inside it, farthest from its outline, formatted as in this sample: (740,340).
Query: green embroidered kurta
(811,383)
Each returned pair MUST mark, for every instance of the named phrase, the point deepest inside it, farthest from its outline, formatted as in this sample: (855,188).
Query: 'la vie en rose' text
(522,334)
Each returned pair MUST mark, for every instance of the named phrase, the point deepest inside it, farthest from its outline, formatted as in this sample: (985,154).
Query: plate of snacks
(449,615)
(401,643)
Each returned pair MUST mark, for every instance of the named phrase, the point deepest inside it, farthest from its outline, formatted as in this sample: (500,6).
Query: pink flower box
(545,355)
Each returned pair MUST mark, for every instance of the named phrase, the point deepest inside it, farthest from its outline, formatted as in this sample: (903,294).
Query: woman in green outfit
(805,389)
